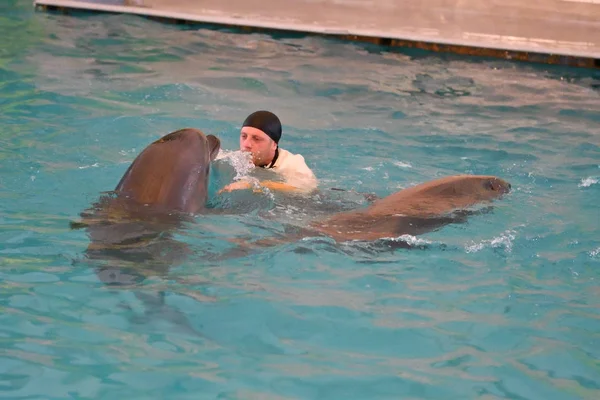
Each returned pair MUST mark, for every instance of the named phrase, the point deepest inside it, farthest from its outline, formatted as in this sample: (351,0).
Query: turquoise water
(505,306)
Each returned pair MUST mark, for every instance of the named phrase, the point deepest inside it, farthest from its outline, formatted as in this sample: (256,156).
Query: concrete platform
(549,31)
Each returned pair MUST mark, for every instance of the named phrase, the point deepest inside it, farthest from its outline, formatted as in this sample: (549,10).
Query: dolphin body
(419,209)
(415,210)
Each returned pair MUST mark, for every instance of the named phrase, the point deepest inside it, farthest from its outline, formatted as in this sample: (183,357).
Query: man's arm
(298,176)
(280,186)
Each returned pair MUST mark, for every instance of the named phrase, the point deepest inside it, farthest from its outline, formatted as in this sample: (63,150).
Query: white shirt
(294,170)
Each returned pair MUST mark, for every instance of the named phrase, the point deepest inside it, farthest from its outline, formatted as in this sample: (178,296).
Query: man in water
(260,135)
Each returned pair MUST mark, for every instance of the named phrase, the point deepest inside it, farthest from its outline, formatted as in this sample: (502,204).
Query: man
(260,135)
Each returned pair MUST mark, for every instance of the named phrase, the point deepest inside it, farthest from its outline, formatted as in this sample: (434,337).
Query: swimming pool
(504,306)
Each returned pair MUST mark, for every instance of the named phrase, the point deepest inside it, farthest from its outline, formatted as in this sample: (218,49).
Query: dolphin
(172,172)
(412,211)
(130,228)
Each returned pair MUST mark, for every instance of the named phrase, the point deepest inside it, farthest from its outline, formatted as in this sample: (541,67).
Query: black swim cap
(265,121)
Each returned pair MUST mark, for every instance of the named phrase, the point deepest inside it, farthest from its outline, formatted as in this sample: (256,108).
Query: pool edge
(512,53)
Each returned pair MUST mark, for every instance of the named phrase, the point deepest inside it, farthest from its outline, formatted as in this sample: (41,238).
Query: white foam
(412,240)
(505,240)
(409,239)
(241,162)
(126,152)
(474,248)
(402,164)
(95,165)
(587,182)
(595,253)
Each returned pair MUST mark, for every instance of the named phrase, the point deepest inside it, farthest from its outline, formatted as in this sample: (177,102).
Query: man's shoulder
(296,172)
(287,158)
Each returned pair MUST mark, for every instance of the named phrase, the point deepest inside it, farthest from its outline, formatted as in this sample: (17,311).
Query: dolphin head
(463,190)
(172,172)
(493,187)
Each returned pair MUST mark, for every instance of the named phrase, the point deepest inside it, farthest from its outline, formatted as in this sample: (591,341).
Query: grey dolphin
(172,172)
(130,228)
(412,211)
(415,210)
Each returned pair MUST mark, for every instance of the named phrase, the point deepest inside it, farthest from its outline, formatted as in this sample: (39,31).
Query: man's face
(258,143)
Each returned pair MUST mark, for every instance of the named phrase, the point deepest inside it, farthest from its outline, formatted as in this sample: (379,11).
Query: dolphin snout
(498,185)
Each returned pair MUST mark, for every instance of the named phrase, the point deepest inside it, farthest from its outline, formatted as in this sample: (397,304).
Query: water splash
(240,161)
(587,182)
(505,240)
(412,240)
(402,164)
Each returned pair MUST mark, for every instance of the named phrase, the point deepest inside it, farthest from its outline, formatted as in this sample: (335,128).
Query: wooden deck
(550,31)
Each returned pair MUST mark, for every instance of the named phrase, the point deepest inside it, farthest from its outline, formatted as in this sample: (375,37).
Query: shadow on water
(129,244)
